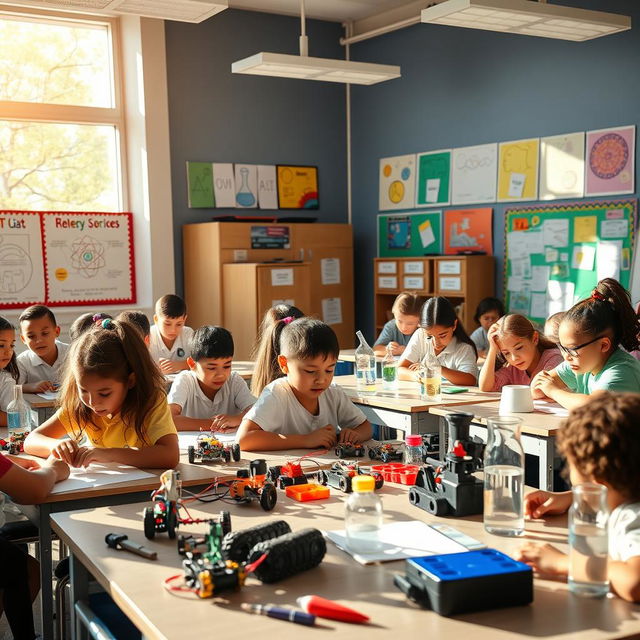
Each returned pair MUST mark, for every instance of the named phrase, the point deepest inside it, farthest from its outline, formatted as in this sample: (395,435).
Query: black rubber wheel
(379,479)
(149,523)
(172,522)
(339,452)
(235,452)
(226,522)
(343,484)
(360,452)
(273,473)
(268,497)
(226,455)
(191,452)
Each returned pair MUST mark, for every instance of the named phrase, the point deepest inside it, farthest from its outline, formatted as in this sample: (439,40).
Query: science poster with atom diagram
(610,162)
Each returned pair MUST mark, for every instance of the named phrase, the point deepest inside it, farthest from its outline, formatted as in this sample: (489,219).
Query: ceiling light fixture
(304,67)
(527,17)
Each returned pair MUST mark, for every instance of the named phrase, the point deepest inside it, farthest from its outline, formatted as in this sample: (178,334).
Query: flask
(413,450)
(18,418)
(430,378)
(363,516)
(365,366)
(588,541)
(389,370)
(504,477)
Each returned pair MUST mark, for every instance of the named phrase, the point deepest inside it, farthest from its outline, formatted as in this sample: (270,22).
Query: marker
(282,613)
(120,541)
(324,608)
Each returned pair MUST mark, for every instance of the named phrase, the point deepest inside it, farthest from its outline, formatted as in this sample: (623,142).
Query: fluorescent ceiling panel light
(307,68)
(527,17)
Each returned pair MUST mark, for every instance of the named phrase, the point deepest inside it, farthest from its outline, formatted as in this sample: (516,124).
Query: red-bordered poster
(66,258)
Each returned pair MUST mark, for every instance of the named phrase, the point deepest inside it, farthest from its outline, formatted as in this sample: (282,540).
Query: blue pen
(282,613)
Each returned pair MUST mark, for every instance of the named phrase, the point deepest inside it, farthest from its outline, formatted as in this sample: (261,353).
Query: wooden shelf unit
(465,280)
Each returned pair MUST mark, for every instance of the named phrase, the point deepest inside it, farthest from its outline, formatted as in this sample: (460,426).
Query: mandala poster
(88,258)
(610,162)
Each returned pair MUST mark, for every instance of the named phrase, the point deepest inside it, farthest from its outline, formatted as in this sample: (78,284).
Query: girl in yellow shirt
(113,398)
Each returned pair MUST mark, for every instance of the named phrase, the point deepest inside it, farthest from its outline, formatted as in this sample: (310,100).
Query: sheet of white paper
(387,282)
(514,283)
(433,187)
(550,255)
(539,305)
(614,228)
(535,241)
(556,232)
(516,185)
(188,438)
(540,278)
(416,267)
(281,277)
(559,296)
(414,282)
(387,267)
(224,185)
(332,311)
(267,186)
(449,267)
(609,254)
(550,407)
(427,236)
(521,268)
(583,257)
(330,270)
(99,475)
(401,540)
(48,395)
(518,245)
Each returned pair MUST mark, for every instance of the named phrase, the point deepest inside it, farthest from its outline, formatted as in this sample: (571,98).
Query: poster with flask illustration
(246,186)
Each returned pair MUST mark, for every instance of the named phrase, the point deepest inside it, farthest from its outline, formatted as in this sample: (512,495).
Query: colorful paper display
(397,183)
(434,178)
(473,174)
(200,185)
(468,230)
(518,170)
(610,162)
(562,166)
(410,234)
(297,187)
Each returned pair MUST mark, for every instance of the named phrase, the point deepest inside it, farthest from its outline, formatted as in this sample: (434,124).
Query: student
(591,334)
(267,347)
(9,373)
(85,322)
(600,442)
(40,365)
(441,334)
(488,312)
(210,395)
(169,338)
(138,320)
(552,326)
(406,318)
(517,352)
(112,394)
(27,482)
(304,410)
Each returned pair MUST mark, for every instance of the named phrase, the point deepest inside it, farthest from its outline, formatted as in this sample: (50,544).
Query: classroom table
(135,584)
(539,431)
(404,409)
(349,355)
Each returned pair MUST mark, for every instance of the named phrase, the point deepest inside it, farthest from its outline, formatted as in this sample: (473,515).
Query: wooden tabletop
(349,355)
(407,397)
(536,423)
(136,584)
(36,402)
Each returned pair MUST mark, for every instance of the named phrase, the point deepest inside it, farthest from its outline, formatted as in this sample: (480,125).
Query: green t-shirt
(621,372)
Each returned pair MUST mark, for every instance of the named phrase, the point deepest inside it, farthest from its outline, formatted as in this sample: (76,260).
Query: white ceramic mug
(515,398)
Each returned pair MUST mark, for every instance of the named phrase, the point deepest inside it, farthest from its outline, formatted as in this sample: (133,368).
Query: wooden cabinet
(465,280)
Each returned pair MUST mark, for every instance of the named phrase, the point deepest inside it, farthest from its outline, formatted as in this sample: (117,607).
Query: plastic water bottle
(413,450)
(363,516)
(18,416)
(365,366)
(588,541)
(504,477)
(389,371)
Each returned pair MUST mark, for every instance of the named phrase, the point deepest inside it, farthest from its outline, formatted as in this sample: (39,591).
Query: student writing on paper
(406,319)
(442,334)
(210,395)
(169,337)
(113,395)
(8,367)
(488,312)
(303,409)
(517,352)
(592,334)
(601,445)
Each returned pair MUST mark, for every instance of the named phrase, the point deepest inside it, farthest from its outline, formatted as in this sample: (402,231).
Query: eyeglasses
(573,352)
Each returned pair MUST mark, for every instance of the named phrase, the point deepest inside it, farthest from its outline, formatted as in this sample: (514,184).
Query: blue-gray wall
(461,87)
(220,117)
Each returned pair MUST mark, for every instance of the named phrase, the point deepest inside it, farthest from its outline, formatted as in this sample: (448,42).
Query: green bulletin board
(409,234)
(555,254)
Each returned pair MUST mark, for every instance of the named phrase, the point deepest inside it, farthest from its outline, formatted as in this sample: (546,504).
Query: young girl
(552,326)
(267,347)
(489,311)
(406,318)
(113,394)
(303,409)
(590,336)
(443,335)
(516,353)
(9,373)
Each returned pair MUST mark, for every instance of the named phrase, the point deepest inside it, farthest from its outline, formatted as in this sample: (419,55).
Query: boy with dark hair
(169,337)
(210,395)
(40,366)
(139,320)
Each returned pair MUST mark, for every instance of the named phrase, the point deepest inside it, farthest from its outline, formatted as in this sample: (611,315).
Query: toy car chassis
(209,449)
(341,474)
(386,452)
(252,484)
(349,450)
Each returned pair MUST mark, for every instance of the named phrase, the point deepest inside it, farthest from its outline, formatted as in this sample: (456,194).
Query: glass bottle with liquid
(389,370)
(18,416)
(588,541)
(430,373)
(363,516)
(504,477)
(365,366)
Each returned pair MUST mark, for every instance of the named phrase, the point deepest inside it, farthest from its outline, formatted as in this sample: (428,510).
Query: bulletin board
(409,234)
(66,258)
(555,254)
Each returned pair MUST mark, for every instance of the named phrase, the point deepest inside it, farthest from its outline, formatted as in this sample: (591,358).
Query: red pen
(324,608)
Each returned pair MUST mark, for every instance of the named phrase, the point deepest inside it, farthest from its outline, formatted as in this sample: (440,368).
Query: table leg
(79,580)
(46,572)
(547,452)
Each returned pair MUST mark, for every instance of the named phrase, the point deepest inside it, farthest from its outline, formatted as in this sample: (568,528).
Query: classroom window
(61,121)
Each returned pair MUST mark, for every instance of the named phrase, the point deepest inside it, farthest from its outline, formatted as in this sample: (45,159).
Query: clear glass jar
(389,370)
(413,450)
(504,477)
(363,516)
(365,366)
(18,414)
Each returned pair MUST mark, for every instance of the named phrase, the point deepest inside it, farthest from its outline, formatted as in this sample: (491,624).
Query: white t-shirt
(6,389)
(278,410)
(34,369)
(457,355)
(624,532)
(232,398)
(180,350)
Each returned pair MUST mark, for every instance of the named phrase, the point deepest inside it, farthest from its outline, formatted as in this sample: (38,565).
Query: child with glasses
(591,335)
(441,334)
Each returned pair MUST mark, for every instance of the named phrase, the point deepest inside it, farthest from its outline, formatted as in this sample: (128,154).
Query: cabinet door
(451,277)
(283,283)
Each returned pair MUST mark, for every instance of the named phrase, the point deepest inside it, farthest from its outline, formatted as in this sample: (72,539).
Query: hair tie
(107,323)
(596,295)
(288,319)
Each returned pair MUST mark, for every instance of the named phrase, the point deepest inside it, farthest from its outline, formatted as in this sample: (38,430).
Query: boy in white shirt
(40,366)
(169,338)
(601,444)
(210,395)
(304,410)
